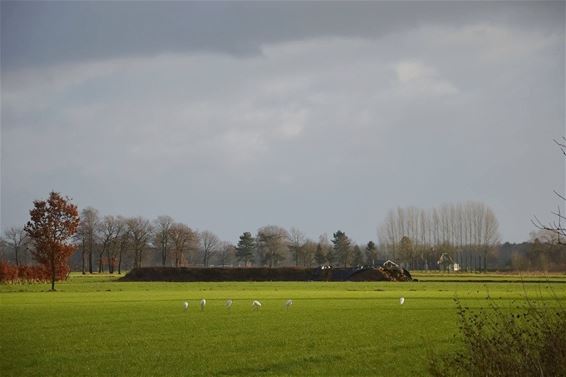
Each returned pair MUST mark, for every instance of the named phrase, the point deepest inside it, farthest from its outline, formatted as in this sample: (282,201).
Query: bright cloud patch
(419,79)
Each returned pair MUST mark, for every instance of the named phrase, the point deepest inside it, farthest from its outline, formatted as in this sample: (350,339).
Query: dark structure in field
(383,273)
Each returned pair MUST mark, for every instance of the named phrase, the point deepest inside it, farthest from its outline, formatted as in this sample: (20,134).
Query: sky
(229,116)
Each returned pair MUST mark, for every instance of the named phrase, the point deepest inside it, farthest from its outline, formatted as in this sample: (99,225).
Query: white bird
(186,305)
(228,304)
(256,304)
(202,304)
(288,304)
(401,300)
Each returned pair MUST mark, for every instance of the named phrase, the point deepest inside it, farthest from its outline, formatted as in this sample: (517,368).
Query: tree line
(466,233)
(545,251)
(116,243)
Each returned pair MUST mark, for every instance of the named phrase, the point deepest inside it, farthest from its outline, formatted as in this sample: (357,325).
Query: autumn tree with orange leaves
(53,222)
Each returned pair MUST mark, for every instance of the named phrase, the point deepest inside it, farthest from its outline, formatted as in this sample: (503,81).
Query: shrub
(529,341)
(10,273)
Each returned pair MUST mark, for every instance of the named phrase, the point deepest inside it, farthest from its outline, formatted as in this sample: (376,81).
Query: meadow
(98,326)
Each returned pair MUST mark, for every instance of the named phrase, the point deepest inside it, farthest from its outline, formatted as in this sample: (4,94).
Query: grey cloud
(321,134)
(38,33)
(230,116)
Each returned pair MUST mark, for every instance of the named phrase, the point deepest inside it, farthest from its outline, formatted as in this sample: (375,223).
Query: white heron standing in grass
(288,304)
(202,304)
(402,300)
(186,305)
(256,305)
(228,304)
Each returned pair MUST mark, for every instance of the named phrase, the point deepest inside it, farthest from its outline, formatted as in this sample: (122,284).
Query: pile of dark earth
(381,273)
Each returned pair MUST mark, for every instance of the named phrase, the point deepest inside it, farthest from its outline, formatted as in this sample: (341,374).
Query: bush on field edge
(529,340)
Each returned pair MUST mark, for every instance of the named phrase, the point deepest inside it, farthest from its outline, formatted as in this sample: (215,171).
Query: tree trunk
(139,259)
(52,270)
(83,258)
(90,259)
(109,262)
(16,252)
(83,264)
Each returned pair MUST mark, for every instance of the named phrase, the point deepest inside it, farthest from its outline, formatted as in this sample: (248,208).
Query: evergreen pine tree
(245,249)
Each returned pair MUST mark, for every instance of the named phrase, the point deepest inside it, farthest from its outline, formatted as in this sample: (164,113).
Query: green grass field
(95,325)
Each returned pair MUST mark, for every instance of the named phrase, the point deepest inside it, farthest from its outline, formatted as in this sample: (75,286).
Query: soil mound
(193,274)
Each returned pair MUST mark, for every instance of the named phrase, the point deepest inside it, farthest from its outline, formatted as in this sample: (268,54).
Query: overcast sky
(320,116)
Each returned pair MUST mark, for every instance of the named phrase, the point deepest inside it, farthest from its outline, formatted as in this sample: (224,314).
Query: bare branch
(559,195)
(562,145)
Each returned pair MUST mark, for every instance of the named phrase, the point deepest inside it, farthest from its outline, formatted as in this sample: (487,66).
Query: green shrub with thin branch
(529,340)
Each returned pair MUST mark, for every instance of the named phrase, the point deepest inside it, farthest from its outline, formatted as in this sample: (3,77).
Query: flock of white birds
(256,305)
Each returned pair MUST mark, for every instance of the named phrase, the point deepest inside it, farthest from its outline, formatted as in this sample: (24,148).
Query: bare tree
(210,244)
(557,226)
(162,236)
(547,243)
(87,234)
(324,253)
(296,243)
(3,247)
(226,253)
(122,241)
(309,251)
(108,228)
(17,239)
(182,240)
(406,250)
(139,230)
(468,229)
(271,245)
(490,237)
(114,252)
(545,249)
(545,236)
(389,233)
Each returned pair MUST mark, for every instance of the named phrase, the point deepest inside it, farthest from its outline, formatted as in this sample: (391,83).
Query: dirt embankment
(263,274)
